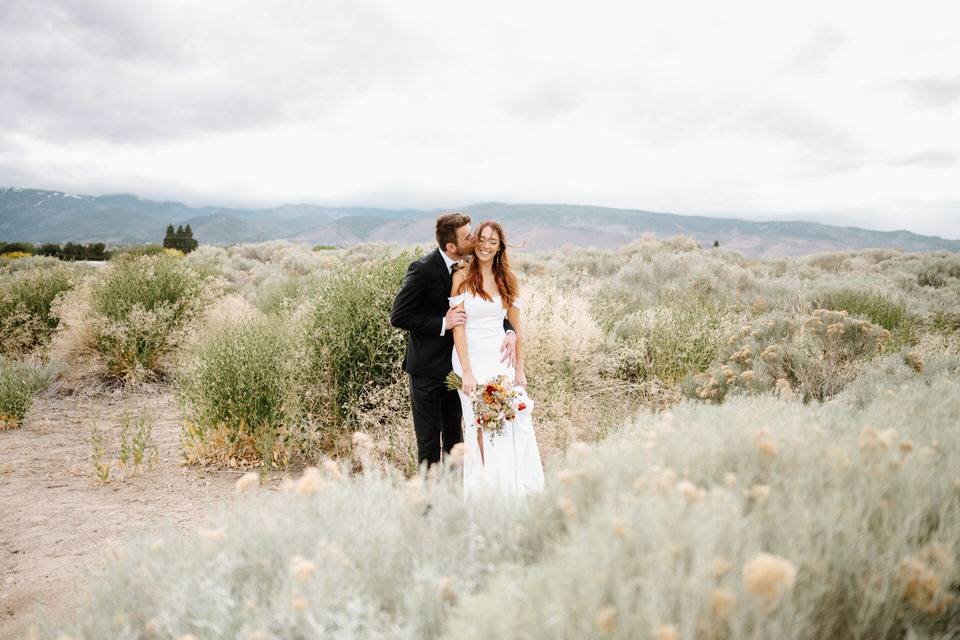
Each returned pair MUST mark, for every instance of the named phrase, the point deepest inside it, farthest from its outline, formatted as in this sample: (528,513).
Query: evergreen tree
(168,239)
(95,251)
(189,243)
(72,251)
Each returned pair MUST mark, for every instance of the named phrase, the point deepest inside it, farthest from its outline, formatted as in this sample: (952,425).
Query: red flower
(521,406)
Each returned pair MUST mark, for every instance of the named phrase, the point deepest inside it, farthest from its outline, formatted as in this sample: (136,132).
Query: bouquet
(495,402)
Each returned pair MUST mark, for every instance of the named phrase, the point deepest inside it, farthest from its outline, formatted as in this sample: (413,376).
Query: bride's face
(488,244)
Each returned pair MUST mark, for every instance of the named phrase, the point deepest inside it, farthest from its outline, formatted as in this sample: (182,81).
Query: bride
(507,463)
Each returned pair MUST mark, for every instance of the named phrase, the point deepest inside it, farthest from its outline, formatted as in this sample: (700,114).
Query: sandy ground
(57,520)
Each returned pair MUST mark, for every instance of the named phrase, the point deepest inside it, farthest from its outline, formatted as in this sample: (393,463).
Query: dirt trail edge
(57,520)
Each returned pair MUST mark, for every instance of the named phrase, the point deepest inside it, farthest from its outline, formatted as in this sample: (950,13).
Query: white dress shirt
(449,262)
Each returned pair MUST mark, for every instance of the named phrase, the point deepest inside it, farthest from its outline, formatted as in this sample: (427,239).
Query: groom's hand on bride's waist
(454,318)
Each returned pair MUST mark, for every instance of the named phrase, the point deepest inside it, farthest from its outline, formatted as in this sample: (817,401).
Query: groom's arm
(406,306)
(507,327)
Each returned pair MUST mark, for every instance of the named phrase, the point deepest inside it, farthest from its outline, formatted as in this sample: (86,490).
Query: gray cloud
(547,101)
(815,53)
(932,158)
(829,146)
(933,91)
(734,107)
(145,71)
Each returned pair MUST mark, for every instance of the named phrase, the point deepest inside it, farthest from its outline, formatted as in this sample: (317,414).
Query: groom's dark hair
(447,226)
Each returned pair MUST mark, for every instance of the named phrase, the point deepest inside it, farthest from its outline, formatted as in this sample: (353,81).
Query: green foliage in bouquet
(454,382)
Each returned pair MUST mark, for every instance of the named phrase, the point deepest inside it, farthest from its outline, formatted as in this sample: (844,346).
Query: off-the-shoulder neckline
(473,294)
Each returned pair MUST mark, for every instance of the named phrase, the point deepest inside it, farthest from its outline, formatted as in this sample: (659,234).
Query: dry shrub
(19,383)
(352,347)
(125,323)
(26,298)
(387,418)
(669,341)
(238,390)
(567,371)
(815,355)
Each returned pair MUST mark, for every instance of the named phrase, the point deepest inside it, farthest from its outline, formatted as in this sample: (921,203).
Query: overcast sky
(842,112)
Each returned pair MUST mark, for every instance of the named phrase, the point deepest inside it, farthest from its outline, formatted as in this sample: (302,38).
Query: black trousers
(437,417)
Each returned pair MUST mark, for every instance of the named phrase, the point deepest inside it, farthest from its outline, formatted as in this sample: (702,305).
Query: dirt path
(57,520)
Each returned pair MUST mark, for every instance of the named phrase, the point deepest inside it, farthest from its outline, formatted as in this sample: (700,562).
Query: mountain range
(34,215)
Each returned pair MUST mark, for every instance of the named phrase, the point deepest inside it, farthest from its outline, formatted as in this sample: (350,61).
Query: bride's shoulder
(459,277)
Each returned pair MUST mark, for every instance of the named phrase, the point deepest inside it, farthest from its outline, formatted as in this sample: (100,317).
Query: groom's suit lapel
(442,268)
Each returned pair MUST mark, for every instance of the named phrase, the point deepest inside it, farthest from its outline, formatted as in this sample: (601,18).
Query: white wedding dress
(511,461)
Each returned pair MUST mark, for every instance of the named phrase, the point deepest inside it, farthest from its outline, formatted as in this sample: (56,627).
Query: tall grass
(19,383)
(353,348)
(237,390)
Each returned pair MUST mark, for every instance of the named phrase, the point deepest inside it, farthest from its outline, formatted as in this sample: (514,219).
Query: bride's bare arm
(513,315)
(460,337)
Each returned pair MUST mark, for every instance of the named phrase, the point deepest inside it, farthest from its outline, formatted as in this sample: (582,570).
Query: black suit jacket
(419,309)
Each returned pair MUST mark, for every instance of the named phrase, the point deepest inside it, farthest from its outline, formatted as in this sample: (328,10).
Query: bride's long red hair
(502,273)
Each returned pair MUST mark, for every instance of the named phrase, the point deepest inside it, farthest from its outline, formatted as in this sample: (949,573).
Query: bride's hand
(469,383)
(521,379)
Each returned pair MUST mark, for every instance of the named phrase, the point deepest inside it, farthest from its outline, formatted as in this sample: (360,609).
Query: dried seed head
(721,603)
(248,482)
(301,568)
(300,604)
(721,567)
(362,440)
(759,493)
(567,507)
(310,482)
(665,632)
(768,576)
(606,620)
(445,590)
(620,527)
(690,492)
(214,535)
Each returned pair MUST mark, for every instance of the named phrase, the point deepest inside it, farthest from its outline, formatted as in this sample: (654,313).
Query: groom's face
(465,241)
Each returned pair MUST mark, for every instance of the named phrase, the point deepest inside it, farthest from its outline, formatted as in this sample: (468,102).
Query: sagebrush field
(734,448)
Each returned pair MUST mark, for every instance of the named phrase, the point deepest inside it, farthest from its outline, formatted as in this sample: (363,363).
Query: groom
(422,309)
